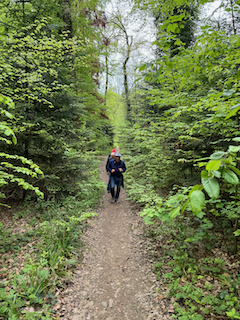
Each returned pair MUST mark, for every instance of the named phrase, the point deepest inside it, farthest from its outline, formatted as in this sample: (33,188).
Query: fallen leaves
(159,297)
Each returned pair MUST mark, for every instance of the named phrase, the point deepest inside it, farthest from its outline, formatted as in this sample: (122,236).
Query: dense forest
(79,77)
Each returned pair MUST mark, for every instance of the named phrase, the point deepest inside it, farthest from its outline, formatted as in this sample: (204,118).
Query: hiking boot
(113,200)
(117,201)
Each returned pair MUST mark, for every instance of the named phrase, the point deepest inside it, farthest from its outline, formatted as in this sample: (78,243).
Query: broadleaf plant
(9,172)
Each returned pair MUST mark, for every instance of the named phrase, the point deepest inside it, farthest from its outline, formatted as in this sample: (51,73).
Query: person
(116,167)
(110,157)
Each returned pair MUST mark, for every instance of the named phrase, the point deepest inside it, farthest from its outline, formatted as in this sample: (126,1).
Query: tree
(51,76)
(225,17)
(129,28)
(176,20)
(117,20)
(10,173)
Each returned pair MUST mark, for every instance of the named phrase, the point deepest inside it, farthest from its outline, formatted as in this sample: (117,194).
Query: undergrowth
(193,254)
(37,260)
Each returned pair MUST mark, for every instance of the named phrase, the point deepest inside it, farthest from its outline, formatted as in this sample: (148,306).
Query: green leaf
(216,174)
(228,93)
(234,169)
(201,214)
(217,155)
(234,149)
(213,165)
(143,67)
(7,101)
(8,115)
(231,313)
(233,112)
(202,164)
(237,233)
(197,200)
(14,139)
(235,106)
(236,139)
(8,132)
(210,185)
(175,212)
(196,187)
(185,206)
(173,28)
(230,176)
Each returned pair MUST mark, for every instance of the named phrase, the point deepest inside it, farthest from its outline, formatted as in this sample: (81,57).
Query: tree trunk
(126,89)
(106,83)
(233,18)
(67,17)
(23,10)
(235,238)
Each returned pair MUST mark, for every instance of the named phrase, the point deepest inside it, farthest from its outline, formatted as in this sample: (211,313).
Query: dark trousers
(109,182)
(118,182)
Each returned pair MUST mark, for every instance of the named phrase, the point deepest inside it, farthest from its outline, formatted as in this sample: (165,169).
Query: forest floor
(115,279)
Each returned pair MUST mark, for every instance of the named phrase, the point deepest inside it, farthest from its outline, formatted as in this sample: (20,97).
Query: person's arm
(107,163)
(109,168)
(123,167)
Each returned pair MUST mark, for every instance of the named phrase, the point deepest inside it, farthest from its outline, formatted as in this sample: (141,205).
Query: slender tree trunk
(23,10)
(235,238)
(66,16)
(67,19)
(233,18)
(106,83)
(126,89)
(129,43)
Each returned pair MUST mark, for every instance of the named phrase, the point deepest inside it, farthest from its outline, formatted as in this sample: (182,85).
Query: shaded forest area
(177,124)
(53,121)
(182,141)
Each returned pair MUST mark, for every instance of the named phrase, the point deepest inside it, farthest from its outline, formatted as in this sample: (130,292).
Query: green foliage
(116,112)
(184,113)
(221,165)
(55,238)
(10,173)
(49,68)
(56,117)
(199,286)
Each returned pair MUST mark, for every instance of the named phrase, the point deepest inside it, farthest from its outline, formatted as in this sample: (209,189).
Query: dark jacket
(108,159)
(113,164)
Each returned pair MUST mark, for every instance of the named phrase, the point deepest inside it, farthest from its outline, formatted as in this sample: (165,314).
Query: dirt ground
(115,280)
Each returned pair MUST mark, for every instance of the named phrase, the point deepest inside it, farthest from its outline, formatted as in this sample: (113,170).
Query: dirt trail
(114,282)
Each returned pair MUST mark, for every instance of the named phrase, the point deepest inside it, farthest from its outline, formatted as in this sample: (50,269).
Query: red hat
(114,150)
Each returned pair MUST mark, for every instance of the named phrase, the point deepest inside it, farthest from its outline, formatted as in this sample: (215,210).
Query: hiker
(110,157)
(116,167)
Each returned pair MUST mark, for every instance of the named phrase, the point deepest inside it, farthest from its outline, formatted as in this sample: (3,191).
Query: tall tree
(67,16)
(50,71)
(129,28)
(176,19)
(118,21)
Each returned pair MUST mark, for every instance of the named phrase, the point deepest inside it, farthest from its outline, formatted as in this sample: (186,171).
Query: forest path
(114,282)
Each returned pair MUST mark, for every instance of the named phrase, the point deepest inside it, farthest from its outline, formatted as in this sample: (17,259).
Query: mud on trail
(115,280)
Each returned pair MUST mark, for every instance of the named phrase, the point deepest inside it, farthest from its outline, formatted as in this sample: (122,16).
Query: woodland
(160,79)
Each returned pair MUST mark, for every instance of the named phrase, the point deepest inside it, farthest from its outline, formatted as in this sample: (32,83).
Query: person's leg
(112,185)
(118,183)
(109,183)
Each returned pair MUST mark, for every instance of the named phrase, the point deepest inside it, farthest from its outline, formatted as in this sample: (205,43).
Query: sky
(142,28)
